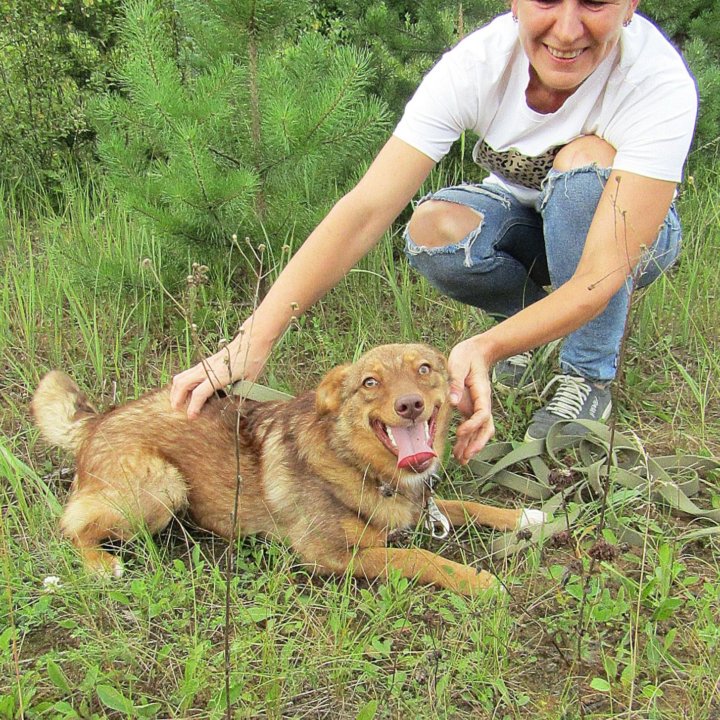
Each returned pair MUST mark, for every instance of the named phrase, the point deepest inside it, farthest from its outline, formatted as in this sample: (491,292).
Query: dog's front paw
(486,580)
(480,582)
(117,569)
(102,564)
(530,517)
(109,570)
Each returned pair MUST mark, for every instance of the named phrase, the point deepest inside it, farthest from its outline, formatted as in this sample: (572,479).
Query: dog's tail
(61,411)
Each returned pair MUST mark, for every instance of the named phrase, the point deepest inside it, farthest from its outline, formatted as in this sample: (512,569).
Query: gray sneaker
(575,399)
(514,373)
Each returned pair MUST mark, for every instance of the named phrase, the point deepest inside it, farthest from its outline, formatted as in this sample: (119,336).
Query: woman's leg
(570,197)
(589,356)
(479,245)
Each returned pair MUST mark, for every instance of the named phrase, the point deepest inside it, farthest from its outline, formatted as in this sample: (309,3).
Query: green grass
(637,637)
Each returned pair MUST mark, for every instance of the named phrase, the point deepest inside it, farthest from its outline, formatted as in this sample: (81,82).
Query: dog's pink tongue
(414,451)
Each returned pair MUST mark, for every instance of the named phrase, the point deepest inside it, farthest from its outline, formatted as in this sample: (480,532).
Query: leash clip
(436,523)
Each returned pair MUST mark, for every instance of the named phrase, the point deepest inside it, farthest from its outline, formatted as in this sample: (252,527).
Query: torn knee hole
(437,224)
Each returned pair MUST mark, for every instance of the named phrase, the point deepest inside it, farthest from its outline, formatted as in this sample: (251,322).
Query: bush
(55,55)
(405,38)
(51,58)
(231,121)
(707,74)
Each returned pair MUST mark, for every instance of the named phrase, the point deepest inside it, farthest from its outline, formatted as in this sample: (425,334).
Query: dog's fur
(318,471)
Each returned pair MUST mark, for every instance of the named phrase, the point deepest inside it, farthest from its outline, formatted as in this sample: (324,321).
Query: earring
(627,22)
(515,18)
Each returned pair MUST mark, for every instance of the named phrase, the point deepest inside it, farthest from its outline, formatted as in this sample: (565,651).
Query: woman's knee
(438,223)
(584,151)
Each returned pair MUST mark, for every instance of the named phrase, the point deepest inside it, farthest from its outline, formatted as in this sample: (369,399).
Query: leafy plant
(405,38)
(52,56)
(227,122)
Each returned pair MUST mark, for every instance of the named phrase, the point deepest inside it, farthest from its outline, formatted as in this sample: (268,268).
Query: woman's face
(565,40)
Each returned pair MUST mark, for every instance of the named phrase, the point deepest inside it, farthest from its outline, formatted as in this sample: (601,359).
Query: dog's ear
(328,396)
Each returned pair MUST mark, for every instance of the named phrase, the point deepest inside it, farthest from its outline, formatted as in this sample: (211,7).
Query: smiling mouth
(411,444)
(564,54)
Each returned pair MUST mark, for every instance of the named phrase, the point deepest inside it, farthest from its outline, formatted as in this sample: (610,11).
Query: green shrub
(229,120)
(51,57)
(405,38)
(54,55)
(707,74)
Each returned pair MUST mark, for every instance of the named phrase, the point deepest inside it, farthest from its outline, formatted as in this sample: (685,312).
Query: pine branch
(200,179)
(216,151)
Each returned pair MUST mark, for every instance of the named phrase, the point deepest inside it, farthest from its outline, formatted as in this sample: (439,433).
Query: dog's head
(391,408)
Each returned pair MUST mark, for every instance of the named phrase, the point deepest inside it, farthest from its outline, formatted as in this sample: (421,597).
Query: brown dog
(333,471)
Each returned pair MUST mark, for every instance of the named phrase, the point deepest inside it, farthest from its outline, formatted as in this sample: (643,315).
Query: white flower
(51,583)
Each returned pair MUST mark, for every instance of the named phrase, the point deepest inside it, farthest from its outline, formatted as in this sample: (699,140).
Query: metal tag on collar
(435,522)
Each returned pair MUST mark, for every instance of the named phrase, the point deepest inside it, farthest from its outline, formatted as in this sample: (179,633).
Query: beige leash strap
(261,393)
(527,469)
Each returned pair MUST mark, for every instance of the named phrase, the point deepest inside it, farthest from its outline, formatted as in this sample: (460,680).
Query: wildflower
(51,583)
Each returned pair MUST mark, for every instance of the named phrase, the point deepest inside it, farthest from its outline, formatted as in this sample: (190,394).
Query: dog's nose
(409,406)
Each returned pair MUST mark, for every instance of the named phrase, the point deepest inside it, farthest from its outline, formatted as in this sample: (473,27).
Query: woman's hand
(471,393)
(242,359)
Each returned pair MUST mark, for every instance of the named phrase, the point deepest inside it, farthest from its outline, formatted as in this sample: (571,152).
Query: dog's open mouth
(411,444)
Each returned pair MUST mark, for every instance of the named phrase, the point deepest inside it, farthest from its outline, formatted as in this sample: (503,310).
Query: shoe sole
(603,418)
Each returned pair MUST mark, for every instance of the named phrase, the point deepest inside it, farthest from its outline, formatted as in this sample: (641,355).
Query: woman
(585,114)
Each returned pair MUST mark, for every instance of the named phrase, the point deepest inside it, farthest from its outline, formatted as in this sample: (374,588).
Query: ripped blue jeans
(505,263)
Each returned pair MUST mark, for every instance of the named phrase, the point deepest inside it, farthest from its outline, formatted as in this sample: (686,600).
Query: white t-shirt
(641,99)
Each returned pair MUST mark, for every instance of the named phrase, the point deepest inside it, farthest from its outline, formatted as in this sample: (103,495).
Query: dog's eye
(424,369)
(370,382)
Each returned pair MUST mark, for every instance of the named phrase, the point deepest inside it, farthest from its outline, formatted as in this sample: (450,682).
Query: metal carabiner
(435,522)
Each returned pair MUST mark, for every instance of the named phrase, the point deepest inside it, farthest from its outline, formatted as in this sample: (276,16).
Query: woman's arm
(349,231)
(628,219)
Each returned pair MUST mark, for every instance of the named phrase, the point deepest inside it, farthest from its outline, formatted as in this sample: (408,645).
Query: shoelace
(521,360)
(570,396)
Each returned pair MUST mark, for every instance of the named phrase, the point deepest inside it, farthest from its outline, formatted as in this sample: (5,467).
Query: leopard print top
(515,167)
